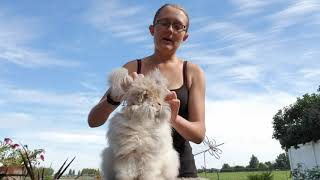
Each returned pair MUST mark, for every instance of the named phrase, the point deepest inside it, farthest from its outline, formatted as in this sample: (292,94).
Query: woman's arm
(101,111)
(194,129)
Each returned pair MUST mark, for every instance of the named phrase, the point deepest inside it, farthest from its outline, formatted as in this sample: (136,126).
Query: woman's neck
(158,58)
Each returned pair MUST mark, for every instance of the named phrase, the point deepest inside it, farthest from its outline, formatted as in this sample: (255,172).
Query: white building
(308,155)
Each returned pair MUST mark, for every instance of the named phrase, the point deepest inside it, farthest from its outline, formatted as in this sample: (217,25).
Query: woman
(186,82)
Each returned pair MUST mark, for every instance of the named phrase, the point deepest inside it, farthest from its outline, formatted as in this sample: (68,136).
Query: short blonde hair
(175,6)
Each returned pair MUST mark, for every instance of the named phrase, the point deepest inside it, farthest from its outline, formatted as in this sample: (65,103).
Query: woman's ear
(151,29)
(185,37)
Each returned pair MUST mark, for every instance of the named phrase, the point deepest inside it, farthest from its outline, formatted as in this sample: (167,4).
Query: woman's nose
(170,27)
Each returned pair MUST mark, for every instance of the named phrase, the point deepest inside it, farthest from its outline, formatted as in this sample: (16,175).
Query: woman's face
(169,29)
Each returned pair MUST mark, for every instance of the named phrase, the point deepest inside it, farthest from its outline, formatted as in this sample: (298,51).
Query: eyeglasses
(176,26)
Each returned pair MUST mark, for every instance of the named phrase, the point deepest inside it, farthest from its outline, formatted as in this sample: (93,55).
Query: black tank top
(181,145)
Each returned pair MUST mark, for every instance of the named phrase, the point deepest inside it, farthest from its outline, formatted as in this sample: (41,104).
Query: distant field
(277,175)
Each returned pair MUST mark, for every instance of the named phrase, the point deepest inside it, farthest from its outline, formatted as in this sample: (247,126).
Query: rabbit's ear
(126,83)
(158,77)
(119,80)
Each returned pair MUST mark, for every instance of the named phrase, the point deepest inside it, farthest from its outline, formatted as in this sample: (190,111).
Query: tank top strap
(138,66)
(185,80)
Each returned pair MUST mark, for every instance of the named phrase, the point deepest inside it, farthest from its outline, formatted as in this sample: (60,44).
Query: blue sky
(258,56)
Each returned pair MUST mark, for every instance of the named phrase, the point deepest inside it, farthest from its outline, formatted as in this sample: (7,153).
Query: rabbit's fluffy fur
(139,135)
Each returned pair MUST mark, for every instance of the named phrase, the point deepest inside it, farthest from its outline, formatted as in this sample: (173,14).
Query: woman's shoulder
(194,69)
(194,72)
(131,65)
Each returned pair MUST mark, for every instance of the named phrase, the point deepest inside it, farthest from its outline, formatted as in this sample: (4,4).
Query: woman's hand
(124,84)
(174,103)
(135,75)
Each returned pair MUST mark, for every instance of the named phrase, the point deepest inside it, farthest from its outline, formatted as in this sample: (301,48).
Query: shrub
(311,174)
(263,176)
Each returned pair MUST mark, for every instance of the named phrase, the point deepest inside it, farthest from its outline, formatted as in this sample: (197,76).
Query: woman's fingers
(140,76)
(175,106)
(171,95)
(135,75)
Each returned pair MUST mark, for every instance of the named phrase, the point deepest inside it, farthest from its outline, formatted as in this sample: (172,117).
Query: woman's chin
(167,47)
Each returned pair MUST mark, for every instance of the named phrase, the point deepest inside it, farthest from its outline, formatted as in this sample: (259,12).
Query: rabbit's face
(145,91)
(146,97)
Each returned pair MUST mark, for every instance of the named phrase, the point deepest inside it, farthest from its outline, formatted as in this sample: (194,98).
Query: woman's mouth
(168,40)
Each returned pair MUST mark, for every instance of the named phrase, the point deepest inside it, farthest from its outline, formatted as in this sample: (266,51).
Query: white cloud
(298,12)
(14,120)
(228,42)
(71,137)
(244,73)
(199,20)
(17,33)
(302,7)
(91,81)
(244,124)
(32,58)
(15,30)
(190,46)
(2,101)
(104,12)
(311,73)
(316,19)
(227,31)
(225,43)
(111,16)
(76,100)
(312,54)
(59,145)
(89,85)
(250,7)
(206,56)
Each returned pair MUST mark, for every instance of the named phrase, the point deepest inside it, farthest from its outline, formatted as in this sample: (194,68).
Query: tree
(254,162)
(262,166)
(298,123)
(282,161)
(269,164)
(226,166)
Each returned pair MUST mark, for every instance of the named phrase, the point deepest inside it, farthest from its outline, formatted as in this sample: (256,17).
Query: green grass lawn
(277,175)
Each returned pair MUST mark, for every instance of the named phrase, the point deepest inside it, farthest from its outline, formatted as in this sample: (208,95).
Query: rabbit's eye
(145,95)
